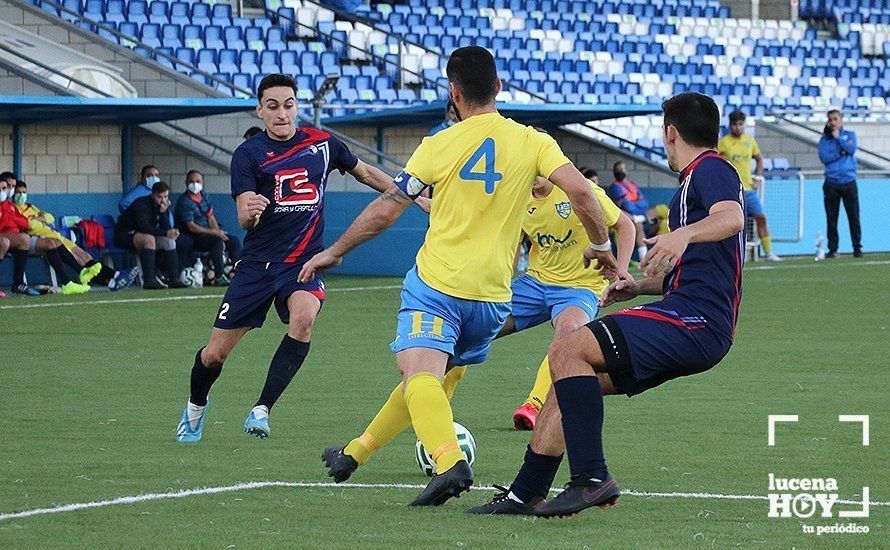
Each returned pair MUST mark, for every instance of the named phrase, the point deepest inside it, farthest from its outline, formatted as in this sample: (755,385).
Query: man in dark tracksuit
(145,226)
(837,148)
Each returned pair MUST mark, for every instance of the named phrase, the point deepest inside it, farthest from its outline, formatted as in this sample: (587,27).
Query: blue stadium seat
(207,60)
(213,38)
(228,61)
(186,55)
(157,13)
(221,14)
(114,11)
(179,13)
(137,11)
(200,14)
(151,35)
(129,29)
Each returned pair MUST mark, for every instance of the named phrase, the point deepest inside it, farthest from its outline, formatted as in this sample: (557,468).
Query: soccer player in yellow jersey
(557,287)
(457,297)
(739,149)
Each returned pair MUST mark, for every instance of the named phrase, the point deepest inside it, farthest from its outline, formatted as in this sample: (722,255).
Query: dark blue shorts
(648,345)
(255,286)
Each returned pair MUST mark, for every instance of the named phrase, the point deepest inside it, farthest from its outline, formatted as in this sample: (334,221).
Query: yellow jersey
(558,240)
(739,151)
(483,169)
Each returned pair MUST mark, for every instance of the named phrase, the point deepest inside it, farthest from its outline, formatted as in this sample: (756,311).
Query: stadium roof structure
(118,111)
(546,115)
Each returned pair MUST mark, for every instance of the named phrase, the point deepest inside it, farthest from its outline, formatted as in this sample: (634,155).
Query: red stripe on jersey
(312,136)
(646,314)
(738,291)
(292,257)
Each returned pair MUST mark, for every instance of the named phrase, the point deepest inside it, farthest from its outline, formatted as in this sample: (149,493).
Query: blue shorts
(752,203)
(535,302)
(648,345)
(255,286)
(461,328)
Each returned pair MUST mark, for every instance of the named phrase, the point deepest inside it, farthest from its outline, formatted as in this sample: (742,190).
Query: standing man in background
(739,149)
(629,198)
(837,148)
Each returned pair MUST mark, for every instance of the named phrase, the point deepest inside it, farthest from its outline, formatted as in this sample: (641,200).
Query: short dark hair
(193,171)
(736,116)
(159,187)
(588,172)
(252,131)
(7,175)
(472,69)
(20,183)
(695,116)
(275,80)
(616,164)
(831,112)
(145,170)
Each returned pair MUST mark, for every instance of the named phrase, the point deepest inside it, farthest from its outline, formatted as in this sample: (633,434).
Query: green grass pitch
(92,394)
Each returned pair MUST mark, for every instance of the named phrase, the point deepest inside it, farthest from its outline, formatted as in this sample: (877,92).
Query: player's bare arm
(624,290)
(378,180)
(374,220)
(758,170)
(626,240)
(724,220)
(587,207)
(250,207)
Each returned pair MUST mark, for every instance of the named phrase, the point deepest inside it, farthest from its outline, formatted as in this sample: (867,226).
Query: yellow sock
(393,419)
(432,419)
(542,385)
(767,244)
(389,422)
(449,384)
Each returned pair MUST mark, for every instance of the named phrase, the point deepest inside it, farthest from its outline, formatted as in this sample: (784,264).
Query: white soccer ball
(192,277)
(464,440)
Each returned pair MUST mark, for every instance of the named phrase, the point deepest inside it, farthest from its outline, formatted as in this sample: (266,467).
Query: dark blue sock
(581,402)
(202,378)
(285,363)
(536,475)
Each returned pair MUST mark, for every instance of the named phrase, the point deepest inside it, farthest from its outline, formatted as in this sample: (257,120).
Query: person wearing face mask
(199,231)
(145,227)
(630,199)
(13,238)
(148,176)
(88,270)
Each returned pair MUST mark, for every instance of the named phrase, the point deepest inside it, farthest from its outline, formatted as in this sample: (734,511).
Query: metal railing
(176,61)
(90,87)
(783,116)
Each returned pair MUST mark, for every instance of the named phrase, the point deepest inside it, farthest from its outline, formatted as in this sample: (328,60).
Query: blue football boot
(257,426)
(185,432)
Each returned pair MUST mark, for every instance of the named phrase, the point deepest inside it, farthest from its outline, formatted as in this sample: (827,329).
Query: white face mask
(195,187)
(151,180)
(3,195)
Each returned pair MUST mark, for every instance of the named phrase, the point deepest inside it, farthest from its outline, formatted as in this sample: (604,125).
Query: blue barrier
(393,252)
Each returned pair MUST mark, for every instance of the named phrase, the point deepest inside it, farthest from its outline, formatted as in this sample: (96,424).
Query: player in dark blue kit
(278,182)
(697,268)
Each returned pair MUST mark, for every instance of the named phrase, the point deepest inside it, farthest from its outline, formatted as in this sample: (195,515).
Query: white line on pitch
(321,485)
(177,298)
(815,264)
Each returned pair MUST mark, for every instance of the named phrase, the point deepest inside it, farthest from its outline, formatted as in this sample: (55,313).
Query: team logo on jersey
(564,209)
(292,187)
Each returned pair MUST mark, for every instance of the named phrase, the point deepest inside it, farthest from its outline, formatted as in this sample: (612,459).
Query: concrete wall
(769,9)
(67,159)
(801,147)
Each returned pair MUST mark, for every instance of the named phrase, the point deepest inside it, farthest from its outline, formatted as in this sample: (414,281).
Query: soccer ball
(467,447)
(192,277)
